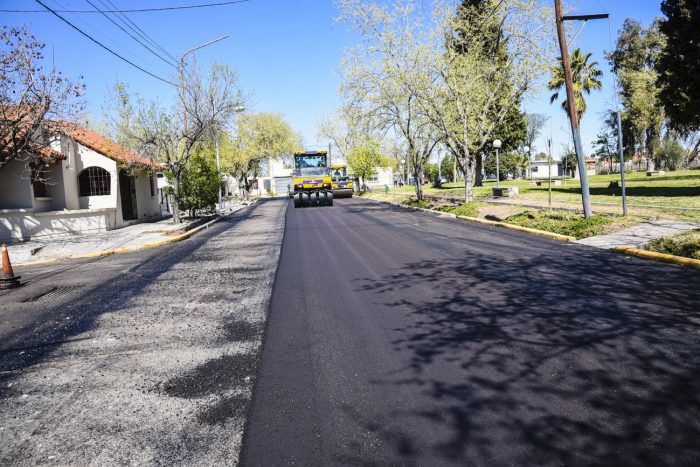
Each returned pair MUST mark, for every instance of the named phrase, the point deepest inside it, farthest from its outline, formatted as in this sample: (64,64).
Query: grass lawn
(676,189)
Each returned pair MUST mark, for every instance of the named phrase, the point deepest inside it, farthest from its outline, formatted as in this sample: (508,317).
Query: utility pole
(622,163)
(573,113)
(549,165)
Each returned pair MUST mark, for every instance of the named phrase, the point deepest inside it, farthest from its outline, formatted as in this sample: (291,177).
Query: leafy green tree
(447,165)
(200,183)
(586,77)
(259,137)
(569,161)
(679,63)
(671,153)
(510,124)
(633,61)
(364,159)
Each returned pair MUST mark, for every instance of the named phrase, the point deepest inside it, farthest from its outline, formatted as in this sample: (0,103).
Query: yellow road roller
(342,184)
(312,183)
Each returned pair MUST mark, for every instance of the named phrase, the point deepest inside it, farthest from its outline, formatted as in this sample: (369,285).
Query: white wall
(22,224)
(15,188)
(385,176)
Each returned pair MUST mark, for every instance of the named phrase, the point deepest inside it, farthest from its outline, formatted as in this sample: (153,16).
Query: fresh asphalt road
(398,338)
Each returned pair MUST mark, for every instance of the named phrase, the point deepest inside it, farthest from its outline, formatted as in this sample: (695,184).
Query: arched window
(94,181)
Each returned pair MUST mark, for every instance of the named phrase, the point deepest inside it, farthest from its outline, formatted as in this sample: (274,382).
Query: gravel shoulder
(149,359)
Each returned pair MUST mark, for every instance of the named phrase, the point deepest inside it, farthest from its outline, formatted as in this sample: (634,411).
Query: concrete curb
(681,260)
(539,233)
(145,246)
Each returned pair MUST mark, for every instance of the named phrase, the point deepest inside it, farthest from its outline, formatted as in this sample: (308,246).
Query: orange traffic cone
(8,280)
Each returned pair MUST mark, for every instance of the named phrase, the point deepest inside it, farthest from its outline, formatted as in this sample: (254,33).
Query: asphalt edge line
(145,246)
(263,341)
(539,233)
(681,260)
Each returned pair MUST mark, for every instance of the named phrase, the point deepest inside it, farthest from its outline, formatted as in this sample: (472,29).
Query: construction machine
(342,183)
(311,182)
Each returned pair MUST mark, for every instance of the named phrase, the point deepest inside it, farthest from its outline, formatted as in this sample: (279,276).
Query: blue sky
(286,52)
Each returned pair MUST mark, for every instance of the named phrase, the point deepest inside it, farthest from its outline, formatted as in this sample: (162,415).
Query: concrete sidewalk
(640,235)
(131,237)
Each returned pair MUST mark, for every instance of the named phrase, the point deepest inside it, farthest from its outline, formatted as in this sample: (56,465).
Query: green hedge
(563,223)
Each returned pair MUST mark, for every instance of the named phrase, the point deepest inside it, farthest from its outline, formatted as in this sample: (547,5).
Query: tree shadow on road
(557,359)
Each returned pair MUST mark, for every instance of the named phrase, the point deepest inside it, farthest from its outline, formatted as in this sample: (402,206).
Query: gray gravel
(151,361)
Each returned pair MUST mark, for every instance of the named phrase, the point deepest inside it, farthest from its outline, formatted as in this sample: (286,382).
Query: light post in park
(497,145)
(526,150)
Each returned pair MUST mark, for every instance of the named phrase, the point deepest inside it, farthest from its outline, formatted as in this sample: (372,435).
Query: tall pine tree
(679,64)
(484,16)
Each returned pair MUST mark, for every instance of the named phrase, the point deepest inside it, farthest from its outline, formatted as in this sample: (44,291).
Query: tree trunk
(479,179)
(419,186)
(176,197)
(454,171)
(469,181)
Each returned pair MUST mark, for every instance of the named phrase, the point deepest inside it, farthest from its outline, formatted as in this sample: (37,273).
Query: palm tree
(585,78)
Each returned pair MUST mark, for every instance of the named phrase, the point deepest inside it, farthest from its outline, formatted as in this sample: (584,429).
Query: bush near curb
(562,223)
(686,244)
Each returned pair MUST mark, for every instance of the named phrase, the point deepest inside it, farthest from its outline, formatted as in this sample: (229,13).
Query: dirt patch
(497,213)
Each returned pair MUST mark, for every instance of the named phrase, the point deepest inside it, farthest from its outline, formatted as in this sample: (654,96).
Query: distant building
(541,169)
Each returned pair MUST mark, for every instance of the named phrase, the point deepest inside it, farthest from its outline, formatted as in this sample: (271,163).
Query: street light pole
(497,145)
(182,69)
(526,150)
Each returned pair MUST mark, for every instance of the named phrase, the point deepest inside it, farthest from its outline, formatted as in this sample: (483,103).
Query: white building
(381,176)
(83,183)
(541,169)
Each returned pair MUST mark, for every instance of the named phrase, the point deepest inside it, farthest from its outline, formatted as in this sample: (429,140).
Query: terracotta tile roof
(7,152)
(105,146)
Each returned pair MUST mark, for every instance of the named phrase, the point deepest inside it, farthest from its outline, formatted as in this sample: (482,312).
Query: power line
(140,32)
(131,35)
(102,45)
(140,10)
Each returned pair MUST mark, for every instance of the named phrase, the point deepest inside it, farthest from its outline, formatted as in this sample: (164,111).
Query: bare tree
(382,78)
(32,100)
(207,104)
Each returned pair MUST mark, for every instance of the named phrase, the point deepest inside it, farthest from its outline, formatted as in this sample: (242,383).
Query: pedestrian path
(131,237)
(639,235)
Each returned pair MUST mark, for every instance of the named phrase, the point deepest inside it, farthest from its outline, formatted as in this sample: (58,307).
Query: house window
(374,178)
(152,179)
(534,169)
(94,181)
(39,182)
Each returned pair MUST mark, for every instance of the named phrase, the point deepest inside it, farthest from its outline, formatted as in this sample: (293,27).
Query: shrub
(686,244)
(466,209)
(563,223)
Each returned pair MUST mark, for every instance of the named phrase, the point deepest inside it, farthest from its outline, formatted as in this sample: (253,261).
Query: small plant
(563,223)
(686,244)
(416,204)
(466,209)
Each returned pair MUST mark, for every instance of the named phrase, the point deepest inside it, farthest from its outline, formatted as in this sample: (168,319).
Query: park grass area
(679,189)
(686,244)
(555,221)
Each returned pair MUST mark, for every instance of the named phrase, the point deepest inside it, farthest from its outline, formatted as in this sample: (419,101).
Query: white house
(541,169)
(82,183)
(381,176)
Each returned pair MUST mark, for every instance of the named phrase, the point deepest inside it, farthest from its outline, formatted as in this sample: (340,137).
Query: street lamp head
(403,161)
(239,108)
(497,143)
(526,149)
